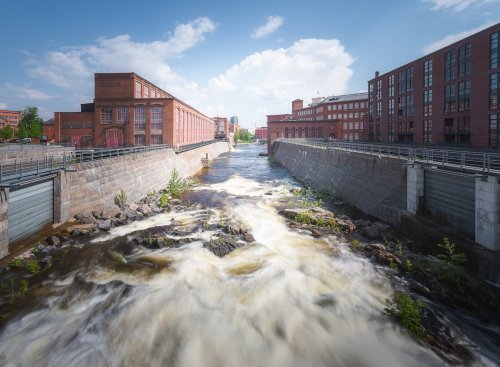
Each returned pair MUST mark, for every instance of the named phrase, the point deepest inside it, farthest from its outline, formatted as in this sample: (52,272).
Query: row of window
(353,125)
(308,132)
(144,91)
(77,125)
(346,106)
(141,139)
(139,116)
(191,127)
(351,115)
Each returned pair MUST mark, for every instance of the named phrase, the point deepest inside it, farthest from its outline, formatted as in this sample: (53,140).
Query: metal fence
(473,161)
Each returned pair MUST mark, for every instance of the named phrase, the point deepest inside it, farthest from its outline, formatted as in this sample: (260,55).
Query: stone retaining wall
(376,185)
(93,185)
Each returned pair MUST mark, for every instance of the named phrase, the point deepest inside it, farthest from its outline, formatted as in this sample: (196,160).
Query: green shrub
(304,217)
(176,185)
(121,199)
(33,267)
(408,312)
(24,286)
(450,267)
(356,244)
(163,200)
(409,266)
(16,263)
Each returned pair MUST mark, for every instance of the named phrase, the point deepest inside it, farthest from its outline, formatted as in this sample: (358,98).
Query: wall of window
(464,60)
(139,140)
(450,67)
(157,118)
(494,131)
(122,113)
(464,95)
(106,115)
(495,90)
(140,118)
(494,50)
(449,98)
(428,103)
(427,73)
(427,131)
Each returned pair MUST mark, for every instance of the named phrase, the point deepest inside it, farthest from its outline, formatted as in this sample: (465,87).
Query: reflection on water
(282,301)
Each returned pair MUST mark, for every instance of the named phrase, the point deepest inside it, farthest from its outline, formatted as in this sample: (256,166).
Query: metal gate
(451,196)
(30,209)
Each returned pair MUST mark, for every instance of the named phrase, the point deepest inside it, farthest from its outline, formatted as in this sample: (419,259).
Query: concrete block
(487,233)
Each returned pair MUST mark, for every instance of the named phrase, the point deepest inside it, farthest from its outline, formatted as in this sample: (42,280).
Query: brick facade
(10,118)
(129,111)
(447,97)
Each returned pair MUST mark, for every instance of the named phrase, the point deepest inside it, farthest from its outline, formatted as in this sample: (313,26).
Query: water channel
(281,301)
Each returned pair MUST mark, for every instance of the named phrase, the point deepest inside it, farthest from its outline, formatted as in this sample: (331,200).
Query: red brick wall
(277,129)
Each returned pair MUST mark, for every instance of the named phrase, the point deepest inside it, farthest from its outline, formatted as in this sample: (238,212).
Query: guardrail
(17,171)
(23,170)
(474,161)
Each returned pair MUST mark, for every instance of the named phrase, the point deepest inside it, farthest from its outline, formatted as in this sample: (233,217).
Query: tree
(243,136)
(6,132)
(31,125)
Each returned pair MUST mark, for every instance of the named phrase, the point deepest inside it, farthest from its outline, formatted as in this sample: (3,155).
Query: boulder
(371,232)
(317,232)
(223,245)
(80,227)
(133,206)
(110,213)
(53,241)
(374,247)
(104,224)
(249,237)
(346,225)
(174,202)
(288,213)
(80,216)
(232,230)
(145,209)
(97,213)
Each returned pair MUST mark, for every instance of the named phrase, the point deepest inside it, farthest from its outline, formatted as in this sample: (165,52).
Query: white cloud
(73,68)
(272,24)
(452,38)
(25,93)
(266,82)
(3,106)
(456,5)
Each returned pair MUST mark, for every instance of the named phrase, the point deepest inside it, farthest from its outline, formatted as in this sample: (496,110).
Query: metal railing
(21,170)
(473,161)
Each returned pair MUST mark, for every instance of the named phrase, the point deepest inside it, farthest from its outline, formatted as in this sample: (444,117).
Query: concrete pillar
(4,222)
(415,189)
(487,212)
(62,198)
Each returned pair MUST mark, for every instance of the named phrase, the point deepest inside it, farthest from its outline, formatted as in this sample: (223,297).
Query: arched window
(286,132)
(306,132)
(293,133)
(313,133)
(300,133)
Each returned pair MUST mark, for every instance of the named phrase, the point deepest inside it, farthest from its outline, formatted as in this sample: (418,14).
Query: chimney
(297,104)
(376,74)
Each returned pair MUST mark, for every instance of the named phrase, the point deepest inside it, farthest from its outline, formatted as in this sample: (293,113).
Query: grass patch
(121,199)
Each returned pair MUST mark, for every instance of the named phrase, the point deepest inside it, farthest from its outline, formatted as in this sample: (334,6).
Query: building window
(299,134)
(463,129)
(306,132)
(138,90)
(494,90)
(293,133)
(449,130)
(313,132)
(449,98)
(146,92)
(391,85)
(390,132)
(157,118)
(390,110)
(494,50)
(379,110)
(464,96)
(157,139)
(464,56)
(122,115)
(379,91)
(401,82)
(494,131)
(140,118)
(320,132)
(409,79)
(450,67)
(106,115)
(427,131)
(139,140)
(427,73)
(286,132)
(409,105)
(428,102)
(401,106)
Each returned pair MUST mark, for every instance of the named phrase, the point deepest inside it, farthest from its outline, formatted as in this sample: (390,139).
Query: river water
(285,300)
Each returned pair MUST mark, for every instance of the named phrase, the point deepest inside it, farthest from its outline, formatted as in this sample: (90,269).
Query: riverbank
(245,266)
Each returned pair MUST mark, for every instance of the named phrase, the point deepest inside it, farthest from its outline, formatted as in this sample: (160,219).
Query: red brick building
(261,132)
(221,127)
(10,118)
(128,110)
(335,117)
(450,96)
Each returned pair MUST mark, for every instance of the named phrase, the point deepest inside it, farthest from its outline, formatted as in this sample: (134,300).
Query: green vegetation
(117,257)
(305,217)
(6,132)
(271,159)
(177,185)
(33,267)
(121,199)
(243,136)
(16,263)
(450,269)
(356,244)
(409,266)
(163,200)
(24,286)
(221,221)
(31,124)
(408,312)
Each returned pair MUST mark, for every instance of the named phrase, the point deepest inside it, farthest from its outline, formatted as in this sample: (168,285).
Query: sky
(225,58)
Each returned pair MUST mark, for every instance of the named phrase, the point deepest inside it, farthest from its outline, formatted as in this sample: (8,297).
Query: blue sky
(225,58)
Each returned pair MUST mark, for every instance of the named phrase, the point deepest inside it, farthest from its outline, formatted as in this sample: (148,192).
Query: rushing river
(282,301)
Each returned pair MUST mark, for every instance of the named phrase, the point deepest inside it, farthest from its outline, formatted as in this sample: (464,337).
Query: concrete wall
(375,185)
(93,185)
(33,152)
